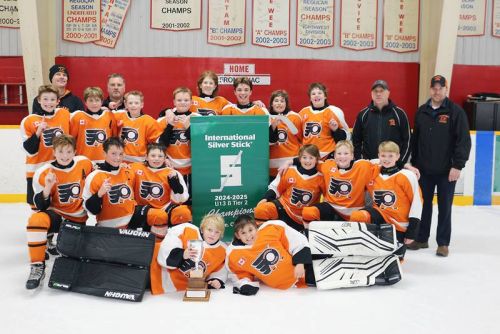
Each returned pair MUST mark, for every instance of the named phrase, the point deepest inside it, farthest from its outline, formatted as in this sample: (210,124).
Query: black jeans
(445,193)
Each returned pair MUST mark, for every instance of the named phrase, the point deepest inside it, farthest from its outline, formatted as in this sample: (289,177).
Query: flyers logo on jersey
(118,193)
(178,137)
(68,191)
(206,112)
(282,136)
(130,134)
(339,187)
(186,266)
(384,197)
(94,137)
(300,196)
(151,190)
(50,134)
(267,261)
(312,129)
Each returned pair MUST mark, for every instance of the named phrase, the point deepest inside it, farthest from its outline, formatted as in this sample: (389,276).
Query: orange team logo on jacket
(316,130)
(119,203)
(345,189)
(66,195)
(288,144)
(397,197)
(57,124)
(169,279)
(152,188)
(179,146)
(295,191)
(90,132)
(268,259)
(233,110)
(137,133)
(208,106)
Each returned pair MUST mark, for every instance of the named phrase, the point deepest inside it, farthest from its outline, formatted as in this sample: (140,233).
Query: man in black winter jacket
(381,121)
(440,148)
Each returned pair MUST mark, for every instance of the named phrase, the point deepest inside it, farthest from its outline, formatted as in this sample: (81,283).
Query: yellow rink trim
(495,200)
(12,198)
(459,200)
(3,127)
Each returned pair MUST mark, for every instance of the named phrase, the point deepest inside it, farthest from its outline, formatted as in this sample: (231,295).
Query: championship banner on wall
(315,23)
(472,18)
(175,15)
(226,22)
(113,14)
(401,25)
(9,14)
(271,23)
(230,166)
(358,24)
(495,25)
(81,22)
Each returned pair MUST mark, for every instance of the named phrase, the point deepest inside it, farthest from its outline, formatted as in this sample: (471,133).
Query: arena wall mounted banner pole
(230,166)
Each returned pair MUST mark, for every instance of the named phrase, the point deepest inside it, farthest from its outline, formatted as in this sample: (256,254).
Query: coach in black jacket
(382,120)
(440,148)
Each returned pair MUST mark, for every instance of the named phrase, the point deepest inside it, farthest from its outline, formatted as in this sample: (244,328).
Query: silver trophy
(198,246)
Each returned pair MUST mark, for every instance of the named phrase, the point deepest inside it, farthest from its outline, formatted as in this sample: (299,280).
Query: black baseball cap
(439,79)
(380,83)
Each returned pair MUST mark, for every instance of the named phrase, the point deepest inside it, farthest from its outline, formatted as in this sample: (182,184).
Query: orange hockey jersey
(167,277)
(288,144)
(208,106)
(57,124)
(118,204)
(66,195)
(345,188)
(152,188)
(296,191)
(397,197)
(179,144)
(90,132)
(269,259)
(315,127)
(136,133)
(233,110)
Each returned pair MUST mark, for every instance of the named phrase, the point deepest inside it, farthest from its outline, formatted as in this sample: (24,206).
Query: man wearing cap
(116,92)
(440,148)
(380,121)
(58,77)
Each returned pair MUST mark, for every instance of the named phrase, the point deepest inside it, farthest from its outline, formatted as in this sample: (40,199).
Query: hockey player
(285,140)
(176,134)
(208,103)
(274,253)
(109,194)
(38,132)
(173,259)
(243,91)
(57,186)
(322,124)
(289,193)
(136,129)
(92,126)
(345,183)
(397,199)
(160,187)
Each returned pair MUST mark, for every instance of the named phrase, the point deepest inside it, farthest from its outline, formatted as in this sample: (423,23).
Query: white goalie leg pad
(356,271)
(337,238)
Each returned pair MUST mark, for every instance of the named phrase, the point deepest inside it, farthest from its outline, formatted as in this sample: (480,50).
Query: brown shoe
(442,251)
(416,245)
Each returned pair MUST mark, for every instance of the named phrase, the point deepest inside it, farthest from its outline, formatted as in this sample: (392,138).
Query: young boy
(176,134)
(136,129)
(275,254)
(57,186)
(39,130)
(173,259)
(397,199)
(92,126)
(243,91)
